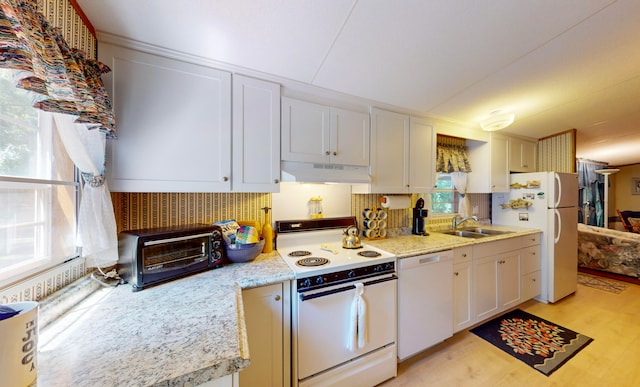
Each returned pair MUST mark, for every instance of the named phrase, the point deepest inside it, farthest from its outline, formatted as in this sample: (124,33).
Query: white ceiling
(557,64)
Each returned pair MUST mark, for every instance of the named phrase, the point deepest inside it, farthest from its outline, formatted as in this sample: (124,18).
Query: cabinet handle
(277,297)
(225,179)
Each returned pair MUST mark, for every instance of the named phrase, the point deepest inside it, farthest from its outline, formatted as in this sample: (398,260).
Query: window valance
(61,78)
(451,155)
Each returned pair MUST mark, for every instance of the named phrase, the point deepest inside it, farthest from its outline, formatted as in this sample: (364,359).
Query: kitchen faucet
(456,223)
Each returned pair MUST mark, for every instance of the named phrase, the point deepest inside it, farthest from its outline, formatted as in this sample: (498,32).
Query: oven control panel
(343,276)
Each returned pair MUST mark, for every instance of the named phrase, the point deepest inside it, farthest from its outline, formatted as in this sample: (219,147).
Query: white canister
(19,345)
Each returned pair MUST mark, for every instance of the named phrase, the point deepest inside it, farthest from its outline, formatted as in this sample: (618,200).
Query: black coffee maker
(419,216)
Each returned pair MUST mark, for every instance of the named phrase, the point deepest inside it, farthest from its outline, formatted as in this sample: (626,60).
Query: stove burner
(369,254)
(312,261)
(299,253)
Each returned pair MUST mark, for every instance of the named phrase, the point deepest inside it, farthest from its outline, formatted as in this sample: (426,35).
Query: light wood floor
(612,359)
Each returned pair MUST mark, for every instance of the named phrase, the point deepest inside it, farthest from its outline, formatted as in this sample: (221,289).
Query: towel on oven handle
(357,334)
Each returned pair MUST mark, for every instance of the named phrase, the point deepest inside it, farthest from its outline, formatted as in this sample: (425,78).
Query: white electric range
(328,280)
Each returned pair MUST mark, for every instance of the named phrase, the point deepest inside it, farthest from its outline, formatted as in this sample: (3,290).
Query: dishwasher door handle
(435,258)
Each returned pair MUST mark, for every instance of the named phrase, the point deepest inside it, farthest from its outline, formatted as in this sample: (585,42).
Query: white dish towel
(357,335)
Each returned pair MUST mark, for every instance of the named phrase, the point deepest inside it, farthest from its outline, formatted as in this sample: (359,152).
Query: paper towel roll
(395,202)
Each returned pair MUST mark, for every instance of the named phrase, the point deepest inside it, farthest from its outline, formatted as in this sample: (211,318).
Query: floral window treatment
(64,82)
(452,158)
(61,78)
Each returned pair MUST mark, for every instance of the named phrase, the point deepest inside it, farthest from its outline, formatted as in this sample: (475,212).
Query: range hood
(323,173)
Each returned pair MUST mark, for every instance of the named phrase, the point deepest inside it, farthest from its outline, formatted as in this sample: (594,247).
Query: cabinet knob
(225,179)
(277,297)
(455,273)
(335,153)
(533,279)
(327,153)
(464,255)
(276,181)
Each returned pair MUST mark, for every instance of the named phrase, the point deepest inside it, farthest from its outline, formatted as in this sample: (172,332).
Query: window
(38,188)
(444,200)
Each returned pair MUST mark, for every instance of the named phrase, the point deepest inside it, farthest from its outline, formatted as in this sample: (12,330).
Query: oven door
(323,318)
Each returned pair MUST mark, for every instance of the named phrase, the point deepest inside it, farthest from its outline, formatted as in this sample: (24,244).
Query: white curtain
(459,180)
(96,221)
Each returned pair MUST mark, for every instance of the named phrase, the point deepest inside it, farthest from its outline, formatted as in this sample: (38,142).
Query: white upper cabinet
(389,152)
(256,135)
(402,153)
(422,156)
(350,133)
(522,155)
(174,124)
(499,163)
(489,164)
(321,134)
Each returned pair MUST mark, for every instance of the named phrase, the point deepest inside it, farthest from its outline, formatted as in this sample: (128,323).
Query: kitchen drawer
(530,259)
(530,240)
(530,285)
(462,254)
(488,249)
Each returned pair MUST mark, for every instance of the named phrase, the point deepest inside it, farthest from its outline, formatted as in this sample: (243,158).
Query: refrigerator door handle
(556,237)
(558,190)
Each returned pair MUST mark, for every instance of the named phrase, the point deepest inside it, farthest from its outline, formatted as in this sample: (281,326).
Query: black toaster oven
(155,255)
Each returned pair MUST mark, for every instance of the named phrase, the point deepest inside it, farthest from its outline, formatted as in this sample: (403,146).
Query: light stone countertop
(404,246)
(184,332)
(180,333)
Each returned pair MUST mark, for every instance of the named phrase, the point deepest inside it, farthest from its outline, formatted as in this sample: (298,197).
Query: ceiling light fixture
(497,120)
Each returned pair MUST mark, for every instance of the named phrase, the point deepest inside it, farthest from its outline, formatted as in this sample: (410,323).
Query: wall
(620,193)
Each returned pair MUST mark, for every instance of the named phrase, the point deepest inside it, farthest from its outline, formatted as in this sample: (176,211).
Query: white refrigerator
(547,201)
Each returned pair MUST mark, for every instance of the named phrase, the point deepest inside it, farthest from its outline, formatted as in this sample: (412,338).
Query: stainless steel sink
(465,234)
(485,231)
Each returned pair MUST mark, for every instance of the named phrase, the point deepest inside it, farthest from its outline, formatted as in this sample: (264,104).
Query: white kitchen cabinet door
(522,155)
(496,282)
(174,124)
(422,156)
(349,139)
(389,152)
(306,131)
(266,315)
(462,296)
(499,163)
(256,135)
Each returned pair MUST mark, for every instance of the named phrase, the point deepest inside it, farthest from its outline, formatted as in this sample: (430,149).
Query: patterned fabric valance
(61,78)
(452,155)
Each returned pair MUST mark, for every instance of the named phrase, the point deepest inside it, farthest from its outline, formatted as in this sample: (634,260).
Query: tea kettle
(351,240)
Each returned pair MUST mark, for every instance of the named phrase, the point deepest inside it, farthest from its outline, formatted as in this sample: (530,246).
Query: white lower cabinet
(496,277)
(531,274)
(267,315)
(463,316)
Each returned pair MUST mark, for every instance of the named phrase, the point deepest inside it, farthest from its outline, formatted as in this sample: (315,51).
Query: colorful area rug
(541,344)
(601,283)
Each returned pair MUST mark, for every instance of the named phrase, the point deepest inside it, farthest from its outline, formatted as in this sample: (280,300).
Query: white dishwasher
(425,302)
